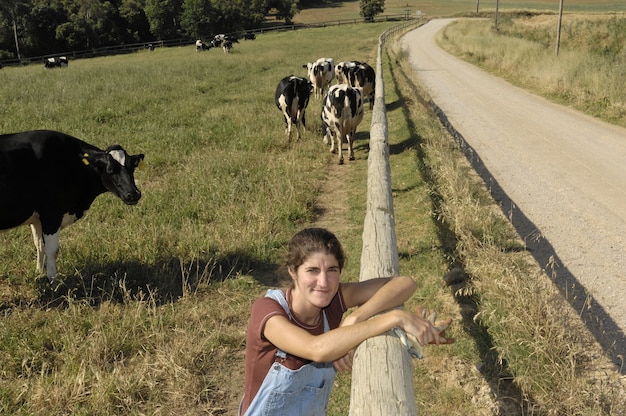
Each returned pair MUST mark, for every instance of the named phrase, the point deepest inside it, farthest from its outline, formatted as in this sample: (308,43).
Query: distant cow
(342,112)
(55,62)
(201,46)
(227,46)
(321,73)
(292,98)
(49,179)
(249,36)
(359,74)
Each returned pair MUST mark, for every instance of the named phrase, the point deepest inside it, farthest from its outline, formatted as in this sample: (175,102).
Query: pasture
(222,192)
(150,317)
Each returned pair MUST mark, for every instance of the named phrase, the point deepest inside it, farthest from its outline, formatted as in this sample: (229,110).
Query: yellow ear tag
(140,164)
(85,161)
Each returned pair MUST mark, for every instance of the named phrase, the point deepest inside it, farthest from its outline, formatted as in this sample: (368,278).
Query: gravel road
(559,175)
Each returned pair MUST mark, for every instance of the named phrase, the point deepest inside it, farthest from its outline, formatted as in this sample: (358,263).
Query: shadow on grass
(166,281)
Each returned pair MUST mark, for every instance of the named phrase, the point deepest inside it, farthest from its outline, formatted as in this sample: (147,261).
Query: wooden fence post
(382,371)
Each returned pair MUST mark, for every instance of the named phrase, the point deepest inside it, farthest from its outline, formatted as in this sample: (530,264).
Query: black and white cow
(292,98)
(359,74)
(49,179)
(227,46)
(321,74)
(342,68)
(342,112)
(55,62)
(201,46)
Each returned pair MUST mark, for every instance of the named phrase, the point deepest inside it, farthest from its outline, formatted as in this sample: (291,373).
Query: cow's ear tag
(140,164)
(85,161)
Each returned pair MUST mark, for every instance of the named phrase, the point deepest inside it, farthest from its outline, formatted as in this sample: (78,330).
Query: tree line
(41,27)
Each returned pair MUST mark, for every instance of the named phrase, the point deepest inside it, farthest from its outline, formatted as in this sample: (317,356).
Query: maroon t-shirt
(260,353)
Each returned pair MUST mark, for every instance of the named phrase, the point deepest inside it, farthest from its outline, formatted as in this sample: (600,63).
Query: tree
(164,18)
(15,14)
(198,18)
(285,9)
(370,8)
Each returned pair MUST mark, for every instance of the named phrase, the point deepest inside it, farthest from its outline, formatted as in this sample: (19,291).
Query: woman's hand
(344,363)
(424,329)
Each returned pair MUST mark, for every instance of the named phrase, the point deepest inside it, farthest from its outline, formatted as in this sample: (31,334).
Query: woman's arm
(337,342)
(375,296)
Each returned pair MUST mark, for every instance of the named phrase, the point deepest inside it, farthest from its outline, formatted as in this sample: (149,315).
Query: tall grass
(588,73)
(540,343)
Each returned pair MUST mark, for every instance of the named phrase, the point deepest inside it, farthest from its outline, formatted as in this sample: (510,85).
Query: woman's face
(317,279)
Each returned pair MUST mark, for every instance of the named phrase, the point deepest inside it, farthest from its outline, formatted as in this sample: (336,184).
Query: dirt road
(559,175)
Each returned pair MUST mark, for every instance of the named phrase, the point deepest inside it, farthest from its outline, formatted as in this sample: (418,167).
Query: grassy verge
(587,74)
(553,362)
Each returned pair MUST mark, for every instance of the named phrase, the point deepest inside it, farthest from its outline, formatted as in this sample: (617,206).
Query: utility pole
(497,8)
(558,29)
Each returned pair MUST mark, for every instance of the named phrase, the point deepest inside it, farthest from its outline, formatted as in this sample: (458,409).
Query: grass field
(151,315)
(342,10)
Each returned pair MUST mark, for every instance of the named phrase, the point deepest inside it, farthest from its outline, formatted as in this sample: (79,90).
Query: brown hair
(313,240)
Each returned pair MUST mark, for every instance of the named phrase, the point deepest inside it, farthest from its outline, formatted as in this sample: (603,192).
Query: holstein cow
(321,73)
(56,62)
(292,98)
(201,46)
(49,179)
(360,74)
(340,70)
(342,112)
(227,46)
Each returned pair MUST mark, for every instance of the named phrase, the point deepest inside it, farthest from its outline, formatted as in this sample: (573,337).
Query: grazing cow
(292,98)
(321,73)
(359,74)
(227,46)
(249,36)
(201,46)
(49,179)
(342,112)
(56,62)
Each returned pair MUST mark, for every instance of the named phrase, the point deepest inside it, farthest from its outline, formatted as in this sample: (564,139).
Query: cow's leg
(288,123)
(299,123)
(35,228)
(51,248)
(340,148)
(349,138)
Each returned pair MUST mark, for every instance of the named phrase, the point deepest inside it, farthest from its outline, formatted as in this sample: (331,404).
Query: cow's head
(116,169)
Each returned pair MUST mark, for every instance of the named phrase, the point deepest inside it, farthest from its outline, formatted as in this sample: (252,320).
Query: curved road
(559,175)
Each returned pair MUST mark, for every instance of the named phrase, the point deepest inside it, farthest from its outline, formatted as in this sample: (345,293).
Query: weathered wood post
(382,380)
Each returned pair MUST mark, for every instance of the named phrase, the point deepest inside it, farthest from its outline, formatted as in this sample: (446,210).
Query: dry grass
(587,74)
(555,365)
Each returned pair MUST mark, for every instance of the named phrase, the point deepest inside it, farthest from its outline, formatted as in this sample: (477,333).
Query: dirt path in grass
(560,177)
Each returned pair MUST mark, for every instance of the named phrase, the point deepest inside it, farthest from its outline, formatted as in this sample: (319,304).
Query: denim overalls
(286,392)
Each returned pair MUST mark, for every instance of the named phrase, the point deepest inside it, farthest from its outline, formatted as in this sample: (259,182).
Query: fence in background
(134,47)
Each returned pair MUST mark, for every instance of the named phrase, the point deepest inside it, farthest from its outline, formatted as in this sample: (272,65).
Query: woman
(296,340)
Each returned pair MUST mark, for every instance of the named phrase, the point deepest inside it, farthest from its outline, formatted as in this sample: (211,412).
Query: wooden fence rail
(382,372)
